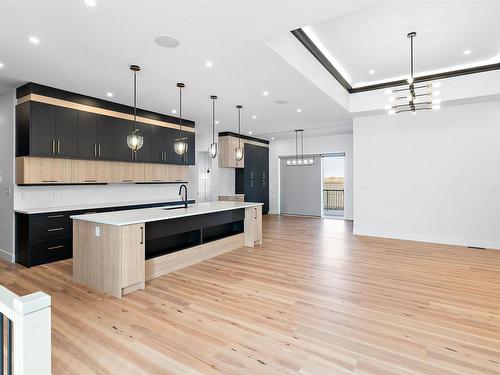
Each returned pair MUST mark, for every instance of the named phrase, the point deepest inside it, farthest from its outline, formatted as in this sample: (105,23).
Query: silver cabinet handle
(95,150)
(54,229)
(142,236)
(55,247)
(99,150)
(49,181)
(90,180)
(54,216)
(126,180)
(58,147)
(255,212)
(53,146)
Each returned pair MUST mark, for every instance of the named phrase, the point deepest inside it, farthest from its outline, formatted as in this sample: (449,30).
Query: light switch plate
(97,231)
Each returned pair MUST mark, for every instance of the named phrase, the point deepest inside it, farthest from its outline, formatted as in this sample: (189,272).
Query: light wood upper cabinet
(127,172)
(227,158)
(90,171)
(34,170)
(178,173)
(156,172)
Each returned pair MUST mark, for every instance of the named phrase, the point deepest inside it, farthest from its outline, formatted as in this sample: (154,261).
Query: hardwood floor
(313,299)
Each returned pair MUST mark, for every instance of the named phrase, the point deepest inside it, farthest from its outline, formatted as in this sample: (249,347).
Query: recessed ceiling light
(173,111)
(254,117)
(299,110)
(166,41)
(265,93)
(467,52)
(109,94)
(34,40)
(250,133)
(90,3)
(209,64)
(371,71)
(1,65)
(272,138)
(217,122)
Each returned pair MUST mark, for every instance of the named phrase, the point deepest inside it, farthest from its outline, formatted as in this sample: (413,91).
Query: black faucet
(185,198)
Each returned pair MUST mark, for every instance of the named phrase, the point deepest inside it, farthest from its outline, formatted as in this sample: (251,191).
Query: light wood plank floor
(313,299)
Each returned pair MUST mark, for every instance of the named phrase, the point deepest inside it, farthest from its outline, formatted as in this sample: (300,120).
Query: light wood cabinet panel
(232,198)
(156,172)
(90,171)
(253,226)
(227,146)
(133,256)
(127,172)
(178,173)
(34,170)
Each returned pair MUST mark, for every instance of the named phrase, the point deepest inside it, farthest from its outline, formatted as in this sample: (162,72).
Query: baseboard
(7,256)
(430,239)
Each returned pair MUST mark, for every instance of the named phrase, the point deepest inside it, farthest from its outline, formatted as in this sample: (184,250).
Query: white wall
(434,176)
(316,145)
(7,101)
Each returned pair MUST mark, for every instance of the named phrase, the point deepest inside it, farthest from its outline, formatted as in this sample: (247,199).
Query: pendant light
(299,160)
(134,140)
(212,149)
(413,97)
(180,144)
(239,150)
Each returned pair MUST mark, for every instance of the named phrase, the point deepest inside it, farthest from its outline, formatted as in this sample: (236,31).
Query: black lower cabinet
(253,179)
(48,237)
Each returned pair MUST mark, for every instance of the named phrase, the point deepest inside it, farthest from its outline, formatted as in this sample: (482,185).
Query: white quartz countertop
(145,215)
(42,210)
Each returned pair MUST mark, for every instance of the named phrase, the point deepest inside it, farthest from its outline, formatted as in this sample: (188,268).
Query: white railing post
(30,316)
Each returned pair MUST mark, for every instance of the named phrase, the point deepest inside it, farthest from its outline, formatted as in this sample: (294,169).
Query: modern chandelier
(299,159)
(413,97)
(134,140)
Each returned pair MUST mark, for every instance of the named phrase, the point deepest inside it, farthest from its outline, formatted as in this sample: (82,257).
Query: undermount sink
(175,207)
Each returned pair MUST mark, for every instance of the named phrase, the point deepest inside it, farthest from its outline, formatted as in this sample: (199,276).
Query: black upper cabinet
(66,132)
(105,137)
(122,128)
(42,129)
(87,135)
(53,131)
(158,135)
(144,153)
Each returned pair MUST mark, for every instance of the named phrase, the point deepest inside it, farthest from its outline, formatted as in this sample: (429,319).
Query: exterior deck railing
(333,199)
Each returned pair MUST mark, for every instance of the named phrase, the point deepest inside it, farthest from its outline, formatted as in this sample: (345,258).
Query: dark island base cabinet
(48,237)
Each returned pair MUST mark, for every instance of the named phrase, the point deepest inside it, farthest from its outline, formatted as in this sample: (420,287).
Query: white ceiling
(88,50)
(374,37)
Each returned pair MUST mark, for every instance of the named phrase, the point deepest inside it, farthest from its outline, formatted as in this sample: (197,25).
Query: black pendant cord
(135,99)
(239,125)
(180,111)
(296,145)
(302,146)
(213,120)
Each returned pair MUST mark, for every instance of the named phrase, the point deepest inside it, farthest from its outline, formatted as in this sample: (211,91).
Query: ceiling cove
(303,38)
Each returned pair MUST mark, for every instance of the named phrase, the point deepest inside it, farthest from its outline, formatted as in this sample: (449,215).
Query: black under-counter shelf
(168,236)
(47,237)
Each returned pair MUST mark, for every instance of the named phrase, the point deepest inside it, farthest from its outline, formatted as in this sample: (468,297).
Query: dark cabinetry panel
(54,131)
(253,179)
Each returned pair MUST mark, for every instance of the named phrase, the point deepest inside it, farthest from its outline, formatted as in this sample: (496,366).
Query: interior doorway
(333,185)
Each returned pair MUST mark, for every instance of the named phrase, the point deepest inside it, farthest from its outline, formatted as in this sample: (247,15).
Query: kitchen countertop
(145,215)
(43,210)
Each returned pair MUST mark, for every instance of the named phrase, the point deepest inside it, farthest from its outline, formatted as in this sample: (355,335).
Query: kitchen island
(117,252)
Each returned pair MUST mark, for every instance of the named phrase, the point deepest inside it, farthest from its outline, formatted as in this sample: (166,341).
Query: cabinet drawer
(50,225)
(51,250)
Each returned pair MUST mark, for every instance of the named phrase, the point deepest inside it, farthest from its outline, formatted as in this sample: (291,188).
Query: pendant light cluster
(413,97)
(135,140)
(238,151)
(212,149)
(299,159)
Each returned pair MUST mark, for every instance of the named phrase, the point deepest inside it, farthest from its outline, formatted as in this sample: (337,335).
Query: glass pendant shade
(180,146)
(135,141)
(212,150)
(238,153)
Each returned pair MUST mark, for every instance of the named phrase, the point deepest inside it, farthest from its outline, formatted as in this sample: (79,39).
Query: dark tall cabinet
(253,179)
